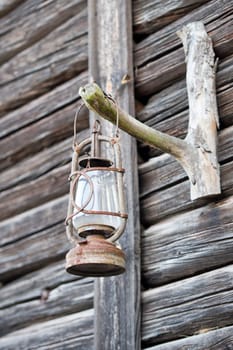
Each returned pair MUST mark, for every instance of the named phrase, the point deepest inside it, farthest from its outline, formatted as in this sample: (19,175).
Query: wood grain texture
(185,308)
(117,299)
(58,57)
(70,332)
(64,299)
(188,243)
(8,5)
(21,29)
(33,252)
(164,62)
(207,339)
(31,286)
(41,107)
(149,16)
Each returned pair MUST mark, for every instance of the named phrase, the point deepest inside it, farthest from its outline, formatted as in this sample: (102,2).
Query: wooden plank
(44,65)
(184,308)
(165,40)
(207,339)
(70,332)
(33,252)
(33,221)
(117,299)
(32,285)
(43,106)
(39,164)
(21,30)
(41,134)
(149,16)
(65,299)
(164,171)
(189,243)
(159,72)
(176,199)
(35,192)
(8,5)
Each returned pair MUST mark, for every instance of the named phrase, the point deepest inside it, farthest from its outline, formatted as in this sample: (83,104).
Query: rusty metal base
(95,257)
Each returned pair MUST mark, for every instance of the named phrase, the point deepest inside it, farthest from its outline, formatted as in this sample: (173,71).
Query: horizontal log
(207,339)
(41,134)
(33,252)
(32,285)
(69,332)
(36,192)
(176,199)
(43,106)
(21,30)
(189,243)
(39,164)
(8,5)
(184,308)
(33,221)
(149,16)
(163,171)
(58,57)
(61,301)
(163,62)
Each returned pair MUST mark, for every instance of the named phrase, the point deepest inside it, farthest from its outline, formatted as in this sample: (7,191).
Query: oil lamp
(96,212)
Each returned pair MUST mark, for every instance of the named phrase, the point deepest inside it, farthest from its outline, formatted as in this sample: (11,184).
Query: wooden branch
(197,154)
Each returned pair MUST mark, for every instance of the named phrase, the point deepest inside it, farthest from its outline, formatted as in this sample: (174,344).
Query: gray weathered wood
(189,243)
(64,299)
(167,67)
(117,299)
(31,286)
(184,308)
(149,16)
(43,106)
(207,339)
(41,134)
(33,221)
(163,171)
(33,252)
(44,65)
(35,192)
(21,29)
(175,199)
(70,332)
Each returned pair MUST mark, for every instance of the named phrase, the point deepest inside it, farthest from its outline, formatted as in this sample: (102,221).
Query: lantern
(96,212)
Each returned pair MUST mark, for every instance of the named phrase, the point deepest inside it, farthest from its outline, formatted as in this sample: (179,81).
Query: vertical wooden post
(117,299)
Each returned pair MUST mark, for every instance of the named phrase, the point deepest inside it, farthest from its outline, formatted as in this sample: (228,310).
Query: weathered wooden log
(56,334)
(184,308)
(31,286)
(38,136)
(43,106)
(34,193)
(39,164)
(149,16)
(8,5)
(47,63)
(207,339)
(33,252)
(163,171)
(188,243)
(60,301)
(153,74)
(175,199)
(21,30)
(33,221)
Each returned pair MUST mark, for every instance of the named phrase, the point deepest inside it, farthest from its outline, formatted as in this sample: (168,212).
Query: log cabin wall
(187,297)
(43,57)
(187,288)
